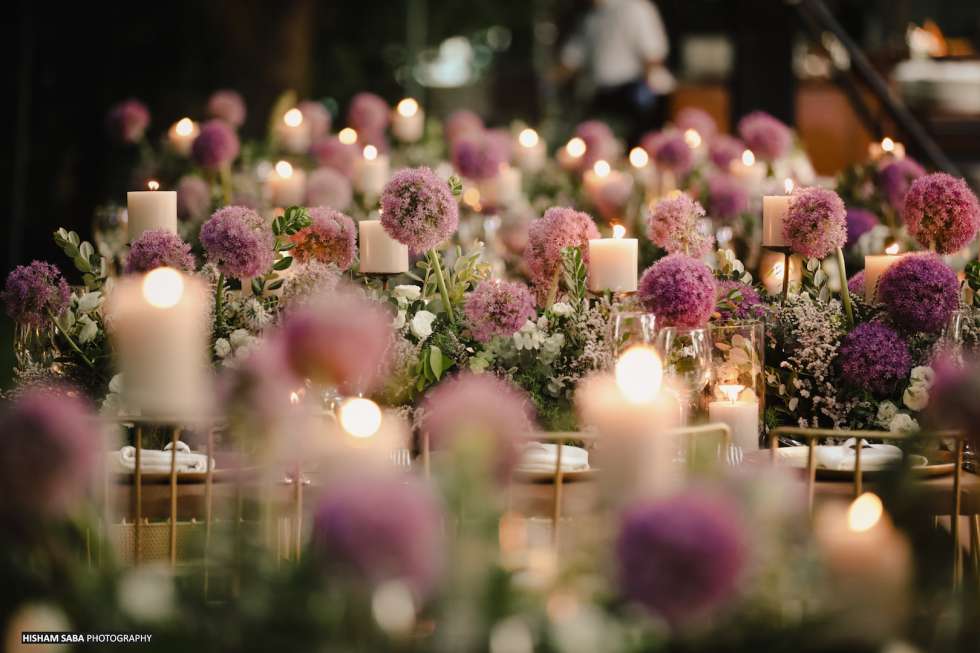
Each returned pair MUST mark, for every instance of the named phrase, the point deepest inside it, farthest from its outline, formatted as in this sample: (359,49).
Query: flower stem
(219,300)
(845,294)
(224,175)
(71,341)
(441,282)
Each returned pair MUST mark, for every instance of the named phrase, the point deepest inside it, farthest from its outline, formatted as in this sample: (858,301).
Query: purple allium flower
(227,105)
(368,113)
(895,177)
(767,137)
(953,395)
(52,444)
(723,149)
(378,528)
(127,121)
(920,292)
(159,248)
(727,197)
(498,308)
(816,222)
(216,146)
(239,241)
(942,211)
(679,290)
(738,301)
(855,285)
(600,142)
(479,406)
(329,152)
(682,556)
(34,292)
(462,123)
(669,149)
(697,119)
(339,339)
(613,196)
(418,209)
(479,156)
(673,225)
(874,357)
(317,118)
(193,197)
(859,222)
(328,187)
(331,238)
(547,236)
(379,139)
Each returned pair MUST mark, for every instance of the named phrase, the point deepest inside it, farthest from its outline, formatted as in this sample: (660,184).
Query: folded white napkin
(541,457)
(154,460)
(841,458)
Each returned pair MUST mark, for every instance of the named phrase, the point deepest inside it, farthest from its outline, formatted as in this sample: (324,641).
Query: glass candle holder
(737,390)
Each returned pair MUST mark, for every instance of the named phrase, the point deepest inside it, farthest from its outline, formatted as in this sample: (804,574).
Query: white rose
(923,375)
(422,324)
(89,301)
(408,292)
(886,411)
(916,397)
(562,309)
(89,329)
(399,320)
(903,423)
(221,348)
(240,338)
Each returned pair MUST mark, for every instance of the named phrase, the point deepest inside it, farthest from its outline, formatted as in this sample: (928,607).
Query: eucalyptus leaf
(436,361)
(257,284)
(283,263)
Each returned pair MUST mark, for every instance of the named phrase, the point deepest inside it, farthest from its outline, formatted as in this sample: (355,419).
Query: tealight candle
(740,411)
(530,153)
(371,172)
(613,262)
(408,121)
(875,266)
(151,209)
(380,253)
(888,147)
(181,136)
(293,132)
(287,185)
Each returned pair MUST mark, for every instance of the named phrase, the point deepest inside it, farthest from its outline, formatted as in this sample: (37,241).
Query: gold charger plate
(936,463)
(549,477)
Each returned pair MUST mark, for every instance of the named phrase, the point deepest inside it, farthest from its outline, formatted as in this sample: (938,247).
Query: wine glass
(631,327)
(686,356)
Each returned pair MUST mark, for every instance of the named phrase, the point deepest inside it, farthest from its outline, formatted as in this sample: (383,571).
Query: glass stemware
(686,356)
(632,327)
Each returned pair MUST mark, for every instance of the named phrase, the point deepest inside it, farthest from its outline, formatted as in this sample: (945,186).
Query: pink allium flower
(681,557)
(378,528)
(317,118)
(462,123)
(738,301)
(855,285)
(767,137)
(229,106)
(723,149)
(52,444)
(727,197)
(895,177)
(379,139)
(255,392)
(331,238)
(498,308)
(479,156)
(669,149)
(329,152)
(875,358)
(193,197)
(697,119)
(679,290)
(600,142)
(35,292)
(216,145)
(816,222)
(239,241)
(479,406)
(368,113)
(920,293)
(418,209)
(942,212)
(127,121)
(547,236)
(158,248)
(340,340)
(673,225)
(859,222)
(328,187)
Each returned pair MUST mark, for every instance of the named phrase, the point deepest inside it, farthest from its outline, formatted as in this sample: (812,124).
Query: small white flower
(886,411)
(422,324)
(407,292)
(399,320)
(89,301)
(793,403)
(562,309)
(916,397)
(89,329)
(903,423)
(147,593)
(221,348)
(240,338)
(923,375)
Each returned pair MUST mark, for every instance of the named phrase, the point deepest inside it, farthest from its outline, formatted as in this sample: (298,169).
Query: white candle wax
(160,331)
(287,185)
(503,190)
(741,416)
(181,136)
(151,209)
(408,121)
(613,264)
(774,209)
(380,253)
(293,132)
(874,267)
(530,152)
(371,172)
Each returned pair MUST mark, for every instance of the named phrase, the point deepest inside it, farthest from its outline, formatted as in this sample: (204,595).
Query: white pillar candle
(774,210)
(151,209)
(570,156)
(740,413)
(613,262)
(371,172)
(502,190)
(159,326)
(181,136)
(408,121)
(751,172)
(380,253)
(874,267)
(595,179)
(293,132)
(531,152)
(287,185)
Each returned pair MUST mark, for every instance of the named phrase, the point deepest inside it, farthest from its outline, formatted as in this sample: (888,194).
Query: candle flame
(576,147)
(887,144)
(370,152)
(293,117)
(731,391)
(864,512)
(163,287)
(284,169)
(528,137)
(788,185)
(692,138)
(347,136)
(293,398)
(407,107)
(360,417)
(618,231)
(639,373)
(639,157)
(748,158)
(184,127)
(892,249)
(153,184)
(602,168)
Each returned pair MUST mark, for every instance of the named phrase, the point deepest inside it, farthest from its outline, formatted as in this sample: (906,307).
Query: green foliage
(93,266)
(575,276)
